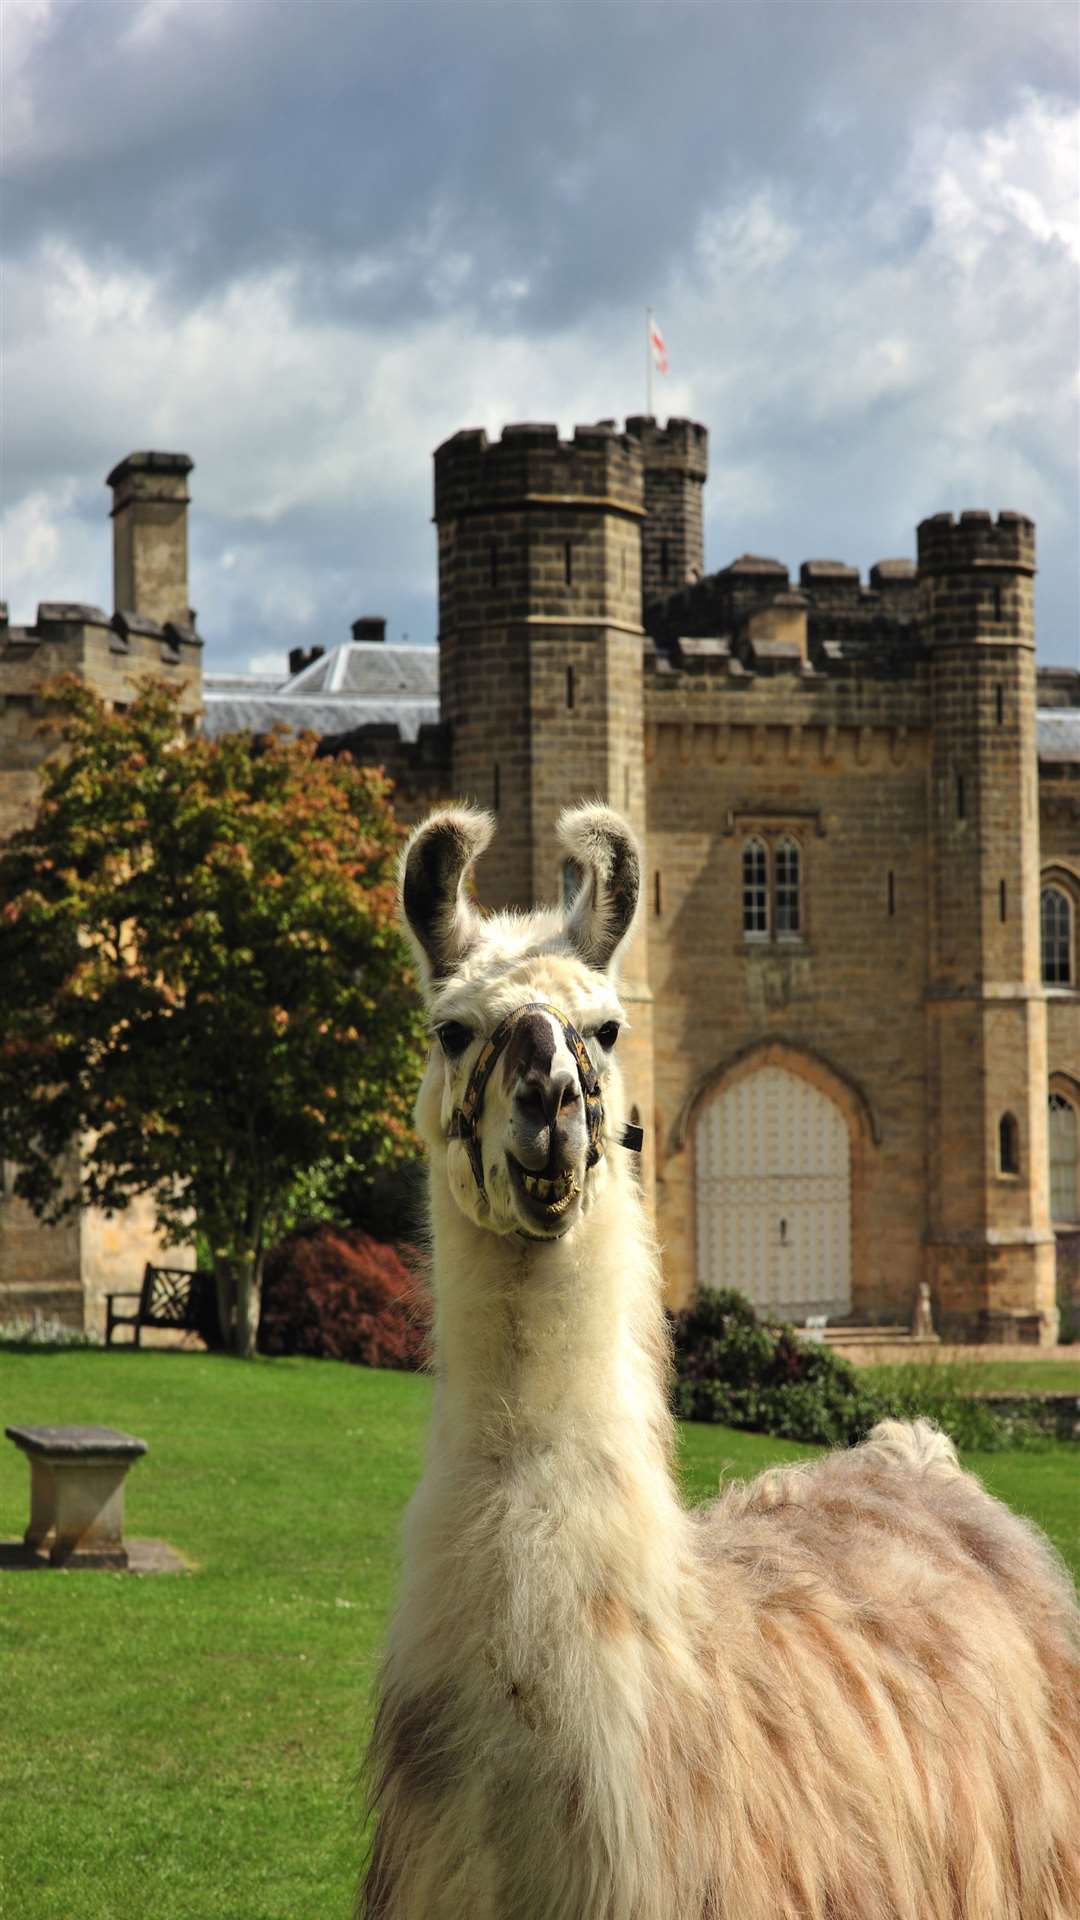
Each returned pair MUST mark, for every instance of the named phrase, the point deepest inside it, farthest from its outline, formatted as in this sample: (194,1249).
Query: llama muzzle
(549,1187)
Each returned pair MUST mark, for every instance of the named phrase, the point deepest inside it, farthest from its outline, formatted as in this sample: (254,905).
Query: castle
(854,1015)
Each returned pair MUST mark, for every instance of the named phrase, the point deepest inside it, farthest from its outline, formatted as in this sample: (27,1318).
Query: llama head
(521,1090)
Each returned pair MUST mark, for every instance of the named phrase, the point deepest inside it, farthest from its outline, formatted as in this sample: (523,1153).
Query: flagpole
(648,361)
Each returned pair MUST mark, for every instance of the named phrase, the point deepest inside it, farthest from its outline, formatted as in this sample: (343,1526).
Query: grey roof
(257,713)
(218,685)
(371,668)
(1058,733)
(361,683)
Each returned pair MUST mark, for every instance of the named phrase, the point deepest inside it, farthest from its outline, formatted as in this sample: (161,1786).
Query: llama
(847,1691)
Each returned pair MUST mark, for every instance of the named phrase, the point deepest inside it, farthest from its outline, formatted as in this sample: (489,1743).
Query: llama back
(907,1699)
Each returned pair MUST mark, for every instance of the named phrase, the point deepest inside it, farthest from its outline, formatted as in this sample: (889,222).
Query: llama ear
(606,851)
(433,869)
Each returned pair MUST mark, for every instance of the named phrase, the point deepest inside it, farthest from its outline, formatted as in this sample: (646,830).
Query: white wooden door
(773,1170)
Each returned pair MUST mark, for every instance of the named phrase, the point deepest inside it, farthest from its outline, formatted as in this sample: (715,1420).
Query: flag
(659,349)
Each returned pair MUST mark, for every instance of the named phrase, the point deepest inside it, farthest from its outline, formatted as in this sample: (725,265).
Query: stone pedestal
(77,1492)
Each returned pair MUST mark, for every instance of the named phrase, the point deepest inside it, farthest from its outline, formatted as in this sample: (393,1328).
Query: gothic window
(755,890)
(1056,924)
(788,889)
(1008,1144)
(772,888)
(1062,1158)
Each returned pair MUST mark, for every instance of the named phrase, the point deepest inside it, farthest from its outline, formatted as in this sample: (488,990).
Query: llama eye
(454,1038)
(608,1034)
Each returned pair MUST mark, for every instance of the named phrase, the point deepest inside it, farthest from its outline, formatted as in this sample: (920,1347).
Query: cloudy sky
(306,240)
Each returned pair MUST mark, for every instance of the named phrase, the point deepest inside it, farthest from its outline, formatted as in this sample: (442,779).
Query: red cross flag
(658,345)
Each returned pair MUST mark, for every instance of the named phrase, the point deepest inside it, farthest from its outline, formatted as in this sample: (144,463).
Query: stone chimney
(370,626)
(149,516)
(301,657)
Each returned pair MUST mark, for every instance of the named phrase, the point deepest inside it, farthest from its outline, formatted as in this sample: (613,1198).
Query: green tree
(201,980)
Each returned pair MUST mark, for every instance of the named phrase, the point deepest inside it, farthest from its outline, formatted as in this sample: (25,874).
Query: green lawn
(185,1747)
(992,1376)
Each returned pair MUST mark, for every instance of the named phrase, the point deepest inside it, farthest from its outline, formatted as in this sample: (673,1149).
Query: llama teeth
(530,1183)
(543,1188)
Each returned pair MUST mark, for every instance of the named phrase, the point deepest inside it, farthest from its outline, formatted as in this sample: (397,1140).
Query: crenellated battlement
(844,622)
(676,460)
(977,580)
(110,652)
(683,445)
(530,466)
(79,628)
(976,541)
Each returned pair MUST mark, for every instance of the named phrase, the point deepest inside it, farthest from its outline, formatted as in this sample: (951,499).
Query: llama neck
(550,1597)
(561,1343)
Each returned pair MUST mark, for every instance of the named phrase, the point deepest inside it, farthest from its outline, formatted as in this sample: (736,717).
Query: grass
(987,1376)
(187,1746)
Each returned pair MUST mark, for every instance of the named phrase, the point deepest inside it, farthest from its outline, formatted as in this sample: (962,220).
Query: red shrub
(336,1293)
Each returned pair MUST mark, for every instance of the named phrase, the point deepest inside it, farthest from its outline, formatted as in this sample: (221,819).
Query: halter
(464,1120)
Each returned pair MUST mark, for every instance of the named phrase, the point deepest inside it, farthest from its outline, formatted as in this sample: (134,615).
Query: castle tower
(540,663)
(149,516)
(990,1242)
(676,459)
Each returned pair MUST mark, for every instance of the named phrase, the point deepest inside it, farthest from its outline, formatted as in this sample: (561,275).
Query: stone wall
(841,767)
(66,1270)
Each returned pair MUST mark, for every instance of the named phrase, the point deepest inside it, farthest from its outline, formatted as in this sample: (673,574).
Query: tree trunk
(239,1283)
(248,1295)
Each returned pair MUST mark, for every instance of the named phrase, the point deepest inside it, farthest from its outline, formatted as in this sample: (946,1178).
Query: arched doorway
(772,1160)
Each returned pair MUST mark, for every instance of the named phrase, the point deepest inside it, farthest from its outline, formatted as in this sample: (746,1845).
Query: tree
(202,979)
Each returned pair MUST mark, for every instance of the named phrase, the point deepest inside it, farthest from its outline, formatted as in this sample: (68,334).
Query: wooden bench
(177,1297)
(77,1492)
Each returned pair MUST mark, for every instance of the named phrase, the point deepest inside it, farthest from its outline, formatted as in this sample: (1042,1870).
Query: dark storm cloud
(307,239)
(517,158)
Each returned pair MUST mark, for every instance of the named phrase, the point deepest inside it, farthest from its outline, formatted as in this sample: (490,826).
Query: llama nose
(544,1098)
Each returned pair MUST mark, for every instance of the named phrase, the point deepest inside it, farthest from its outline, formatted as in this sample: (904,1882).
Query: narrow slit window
(755,890)
(658,894)
(999,704)
(891,893)
(961,798)
(788,890)
(665,560)
(1008,1144)
(1003,900)
(997,603)
(1055,915)
(570,687)
(626,786)
(1063,1158)
(568,563)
